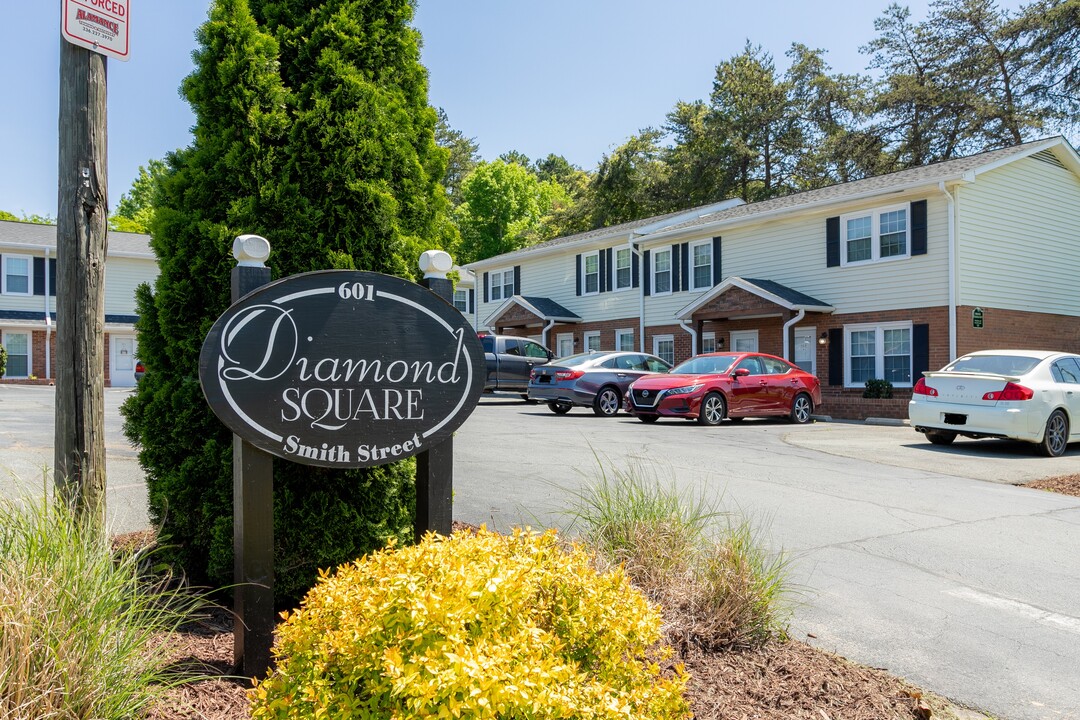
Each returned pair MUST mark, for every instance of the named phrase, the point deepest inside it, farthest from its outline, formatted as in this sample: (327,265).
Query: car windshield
(703,364)
(995,364)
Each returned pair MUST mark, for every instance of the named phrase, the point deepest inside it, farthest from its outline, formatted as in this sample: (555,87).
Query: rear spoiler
(972,375)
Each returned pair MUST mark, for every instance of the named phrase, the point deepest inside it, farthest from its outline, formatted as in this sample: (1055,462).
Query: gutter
(787,328)
(952,269)
(544,332)
(634,252)
(693,336)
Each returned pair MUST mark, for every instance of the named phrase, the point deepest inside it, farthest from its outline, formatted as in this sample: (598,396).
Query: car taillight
(568,374)
(139,367)
(921,388)
(1011,391)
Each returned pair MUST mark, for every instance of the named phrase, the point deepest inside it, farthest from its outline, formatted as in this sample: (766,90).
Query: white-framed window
(501,284)
(744,340)
(590,273)
(461,300)
(17,345)
(15,275)
(564,344)
(624,268)
(592,340)
(875,235)
(701,265)
(708,342)
(663,347)
(881,351)
(661,272)
(805,350)
(624,340)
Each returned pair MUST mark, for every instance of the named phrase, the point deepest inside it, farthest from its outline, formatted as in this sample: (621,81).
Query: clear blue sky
(571,77)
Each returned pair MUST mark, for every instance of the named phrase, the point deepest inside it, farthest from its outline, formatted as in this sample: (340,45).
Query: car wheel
(559,408)
(802,409)
(712,410)
(607,402)
(648,418)
(1056,436)
(940,437)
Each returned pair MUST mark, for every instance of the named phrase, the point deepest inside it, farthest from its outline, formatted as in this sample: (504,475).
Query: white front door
(564,344)
(122,361)
(805,353)
(744,340)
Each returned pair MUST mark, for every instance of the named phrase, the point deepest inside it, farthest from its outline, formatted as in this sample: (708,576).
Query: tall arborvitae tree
(313,130)
(213,190)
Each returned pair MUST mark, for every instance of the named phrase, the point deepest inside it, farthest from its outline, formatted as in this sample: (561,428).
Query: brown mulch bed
(1064,484)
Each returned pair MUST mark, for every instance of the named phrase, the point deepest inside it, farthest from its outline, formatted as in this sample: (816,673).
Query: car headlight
(684,390)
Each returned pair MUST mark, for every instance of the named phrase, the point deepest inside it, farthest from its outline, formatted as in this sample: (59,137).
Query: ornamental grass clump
(80,628)
(472,626)
(709,570)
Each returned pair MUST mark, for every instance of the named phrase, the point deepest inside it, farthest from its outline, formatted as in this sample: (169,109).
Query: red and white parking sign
(99,25)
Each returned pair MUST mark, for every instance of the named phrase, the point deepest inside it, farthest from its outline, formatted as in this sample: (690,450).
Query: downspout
(693,336)
(544,332)
(952,269)
(48,320)
(787,331)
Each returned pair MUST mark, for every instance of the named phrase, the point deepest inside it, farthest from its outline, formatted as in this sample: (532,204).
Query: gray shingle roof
(548,308)
(783,291)
(34,235)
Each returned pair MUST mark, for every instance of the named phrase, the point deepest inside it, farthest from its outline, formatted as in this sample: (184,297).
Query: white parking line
(1030,611)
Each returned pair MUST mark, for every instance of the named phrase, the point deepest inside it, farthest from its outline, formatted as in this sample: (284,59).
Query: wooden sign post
(340,369)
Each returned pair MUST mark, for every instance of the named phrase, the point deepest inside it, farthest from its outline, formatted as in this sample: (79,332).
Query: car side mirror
(741,372)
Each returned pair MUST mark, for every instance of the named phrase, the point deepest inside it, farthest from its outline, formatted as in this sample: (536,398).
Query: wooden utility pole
(81,241)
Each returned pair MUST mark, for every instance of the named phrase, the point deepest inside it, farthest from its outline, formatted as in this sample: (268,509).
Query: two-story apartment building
(28,301)
(881,278)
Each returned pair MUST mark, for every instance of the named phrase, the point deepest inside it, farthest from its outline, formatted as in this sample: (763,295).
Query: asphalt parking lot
(921,559)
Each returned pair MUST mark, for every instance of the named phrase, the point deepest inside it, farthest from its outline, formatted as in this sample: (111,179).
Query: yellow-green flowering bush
(472,626)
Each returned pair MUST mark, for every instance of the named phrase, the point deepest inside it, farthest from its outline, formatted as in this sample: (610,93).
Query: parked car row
(707,388)
(1025,395)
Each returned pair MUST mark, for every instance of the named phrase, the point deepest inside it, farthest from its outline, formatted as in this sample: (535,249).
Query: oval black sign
(341,368)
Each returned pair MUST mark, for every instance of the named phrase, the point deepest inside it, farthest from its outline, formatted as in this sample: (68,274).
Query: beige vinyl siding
(122,276)
(791,251)
(1019,229)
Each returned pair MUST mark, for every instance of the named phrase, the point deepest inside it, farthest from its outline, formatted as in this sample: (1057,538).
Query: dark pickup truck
(510,360)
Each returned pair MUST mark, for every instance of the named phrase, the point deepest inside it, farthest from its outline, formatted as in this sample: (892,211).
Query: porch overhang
(782,296)
(522,311)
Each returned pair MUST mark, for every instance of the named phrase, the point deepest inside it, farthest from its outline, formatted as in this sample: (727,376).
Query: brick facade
(37,361)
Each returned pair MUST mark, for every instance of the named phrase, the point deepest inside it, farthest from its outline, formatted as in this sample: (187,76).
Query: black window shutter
(716,264)
(836,354)
(635,278)
(39,276)
(52,276)
(686,266)
(517,279)
(675,274)
(485,287)
(472,300)
(611,282)
(920,351)
(918,227)
(578,275)
(601,261)
(832,242)
(645,271)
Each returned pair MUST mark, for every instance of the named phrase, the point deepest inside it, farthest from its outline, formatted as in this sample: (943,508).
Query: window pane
(665,350)
(592,341)
(18,349)
(894,233)
(662,274)
(862,369)
(461,300)
(898,341)
(18,275)
(862,343)
(702,265)
(708,344)
(623,276)
(858,239)
(624,341)
(863,359)
(898,368)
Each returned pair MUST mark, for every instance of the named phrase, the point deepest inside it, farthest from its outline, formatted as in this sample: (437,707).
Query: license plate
(955,419)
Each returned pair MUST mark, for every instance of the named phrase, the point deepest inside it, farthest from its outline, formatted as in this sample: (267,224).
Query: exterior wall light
(824,338)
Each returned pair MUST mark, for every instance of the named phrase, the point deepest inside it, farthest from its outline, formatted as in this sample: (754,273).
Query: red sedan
(715,386)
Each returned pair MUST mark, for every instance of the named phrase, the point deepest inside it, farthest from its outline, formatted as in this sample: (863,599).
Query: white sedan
(1029,395)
